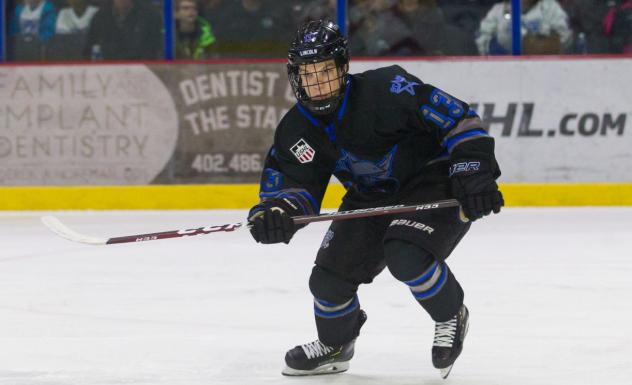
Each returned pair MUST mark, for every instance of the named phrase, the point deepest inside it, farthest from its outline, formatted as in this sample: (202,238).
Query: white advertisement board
(554,120)
(84,125)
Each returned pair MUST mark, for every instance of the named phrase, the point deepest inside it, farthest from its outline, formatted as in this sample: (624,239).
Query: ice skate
(448,341)
(317,358)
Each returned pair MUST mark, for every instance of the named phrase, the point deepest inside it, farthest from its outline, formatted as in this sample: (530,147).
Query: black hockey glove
(474,185)
(271,221)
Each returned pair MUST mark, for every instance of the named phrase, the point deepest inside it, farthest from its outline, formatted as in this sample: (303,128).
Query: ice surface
(549,291)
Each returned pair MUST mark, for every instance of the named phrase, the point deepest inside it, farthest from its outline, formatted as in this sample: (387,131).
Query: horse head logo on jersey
(369,175)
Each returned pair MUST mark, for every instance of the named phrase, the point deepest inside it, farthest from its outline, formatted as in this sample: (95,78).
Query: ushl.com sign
(559,120)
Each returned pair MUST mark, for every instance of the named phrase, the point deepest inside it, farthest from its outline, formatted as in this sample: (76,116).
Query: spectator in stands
(209,7)
(431,32)
(313,11)
(251,28)
(361,11)
(465,14)
(34,18)
(545,28)
(194,37)
(376,30)
(586,20)
(125,30)
(618,27)
(76,18)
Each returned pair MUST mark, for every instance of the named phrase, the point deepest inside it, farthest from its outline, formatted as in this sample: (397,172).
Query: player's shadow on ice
(359,379)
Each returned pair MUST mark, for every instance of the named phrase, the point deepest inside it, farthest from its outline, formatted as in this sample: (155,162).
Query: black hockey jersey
(391,135)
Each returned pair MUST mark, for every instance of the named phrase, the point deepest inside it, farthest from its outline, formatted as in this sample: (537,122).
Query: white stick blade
(66,232)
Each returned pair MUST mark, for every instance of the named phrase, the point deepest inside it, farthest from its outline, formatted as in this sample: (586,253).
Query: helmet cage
(317,43)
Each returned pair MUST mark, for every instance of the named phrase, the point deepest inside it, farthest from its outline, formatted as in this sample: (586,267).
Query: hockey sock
(430,281)
(337,324)
(336,307)
(438,292)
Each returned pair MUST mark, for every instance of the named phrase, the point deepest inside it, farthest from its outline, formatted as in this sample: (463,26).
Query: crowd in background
(483,27)
(48,30)
(85,30)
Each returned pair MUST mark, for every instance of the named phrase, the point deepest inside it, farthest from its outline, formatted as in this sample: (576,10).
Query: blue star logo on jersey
(368,173)
(400,84)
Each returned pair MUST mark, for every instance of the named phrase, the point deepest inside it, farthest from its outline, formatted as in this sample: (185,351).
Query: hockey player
(390,139)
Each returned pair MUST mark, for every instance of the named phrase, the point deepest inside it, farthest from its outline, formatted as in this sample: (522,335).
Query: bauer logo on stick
(303,151)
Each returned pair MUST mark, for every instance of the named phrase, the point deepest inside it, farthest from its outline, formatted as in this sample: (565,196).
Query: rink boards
(244,196)
(187,136)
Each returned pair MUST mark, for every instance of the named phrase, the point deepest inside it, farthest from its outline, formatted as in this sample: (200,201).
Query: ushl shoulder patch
(303,151)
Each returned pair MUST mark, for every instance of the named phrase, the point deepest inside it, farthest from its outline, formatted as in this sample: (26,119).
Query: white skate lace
(316,349)
(445,333)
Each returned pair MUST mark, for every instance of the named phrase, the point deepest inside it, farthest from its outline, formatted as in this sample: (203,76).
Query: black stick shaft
(374,211)
(304,219)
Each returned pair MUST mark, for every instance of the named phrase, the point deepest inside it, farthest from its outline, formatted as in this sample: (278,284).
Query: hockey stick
(56,226)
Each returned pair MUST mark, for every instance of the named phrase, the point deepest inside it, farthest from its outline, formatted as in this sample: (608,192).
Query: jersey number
(439,98)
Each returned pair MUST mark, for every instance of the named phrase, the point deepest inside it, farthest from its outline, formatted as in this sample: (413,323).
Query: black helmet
(315,42)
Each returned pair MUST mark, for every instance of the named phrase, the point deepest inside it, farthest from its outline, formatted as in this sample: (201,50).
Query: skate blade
(445,372)
(332,368)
